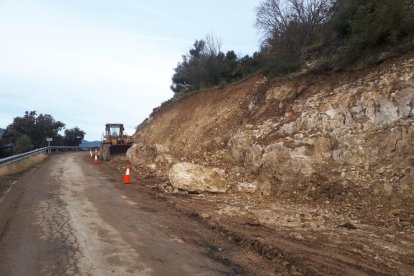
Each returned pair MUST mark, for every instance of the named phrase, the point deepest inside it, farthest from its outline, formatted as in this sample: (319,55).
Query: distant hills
(90,143)
(2,130)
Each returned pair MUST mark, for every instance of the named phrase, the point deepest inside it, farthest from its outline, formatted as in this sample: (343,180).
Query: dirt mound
(311,157)
(326,137)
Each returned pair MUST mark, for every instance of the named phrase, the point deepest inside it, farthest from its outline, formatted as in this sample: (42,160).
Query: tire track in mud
(70,217)
(289,256)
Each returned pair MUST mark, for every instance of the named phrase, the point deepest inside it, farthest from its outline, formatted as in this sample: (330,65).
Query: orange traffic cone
(127,177)
(96,159)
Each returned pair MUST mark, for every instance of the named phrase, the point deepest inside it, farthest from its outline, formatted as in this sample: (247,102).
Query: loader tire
(106,154)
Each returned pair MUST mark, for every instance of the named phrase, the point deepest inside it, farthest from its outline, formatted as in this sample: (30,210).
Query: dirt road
(70,217)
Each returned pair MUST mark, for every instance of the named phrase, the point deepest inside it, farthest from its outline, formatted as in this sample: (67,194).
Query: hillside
(311,157)
(1,131)
(88,144)
(349,129)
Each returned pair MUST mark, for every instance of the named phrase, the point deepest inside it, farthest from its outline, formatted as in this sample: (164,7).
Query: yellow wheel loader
(114,143)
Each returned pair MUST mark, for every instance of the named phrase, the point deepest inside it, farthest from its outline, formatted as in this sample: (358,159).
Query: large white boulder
(197,178)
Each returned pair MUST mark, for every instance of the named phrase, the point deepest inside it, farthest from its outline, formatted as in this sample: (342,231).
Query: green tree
(366,25)
(23,144)
(35,127)
(196,69)
(206,65)
(6,148)
(74,136)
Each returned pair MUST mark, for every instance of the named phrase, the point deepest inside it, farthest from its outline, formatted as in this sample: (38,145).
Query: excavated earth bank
(312,171)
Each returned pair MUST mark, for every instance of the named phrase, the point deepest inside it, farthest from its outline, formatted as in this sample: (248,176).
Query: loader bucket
(113,152)
(119,149)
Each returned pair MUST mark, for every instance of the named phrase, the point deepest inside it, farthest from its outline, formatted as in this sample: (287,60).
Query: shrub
(369,25)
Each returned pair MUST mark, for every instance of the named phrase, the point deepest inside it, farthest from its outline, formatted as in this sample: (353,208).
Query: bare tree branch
(213,45)
(273,17)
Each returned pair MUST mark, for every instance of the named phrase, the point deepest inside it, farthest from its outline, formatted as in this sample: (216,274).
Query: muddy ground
(329,157)
(299,236)
(69,216)
(257,235)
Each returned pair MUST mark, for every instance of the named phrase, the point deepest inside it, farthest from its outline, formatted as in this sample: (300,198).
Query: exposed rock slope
(341,136)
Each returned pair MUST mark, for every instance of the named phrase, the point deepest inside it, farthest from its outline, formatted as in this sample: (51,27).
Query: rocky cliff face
(341,136)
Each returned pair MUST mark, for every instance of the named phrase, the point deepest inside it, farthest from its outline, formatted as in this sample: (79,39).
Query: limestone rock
(196,178)
(152,167)
(338,136)
(239,144)
(246,187)
(161,149)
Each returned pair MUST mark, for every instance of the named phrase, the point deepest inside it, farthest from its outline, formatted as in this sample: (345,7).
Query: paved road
(67,217)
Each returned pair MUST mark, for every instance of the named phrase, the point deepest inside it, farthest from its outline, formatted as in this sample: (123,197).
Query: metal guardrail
(57,148)
(18,157)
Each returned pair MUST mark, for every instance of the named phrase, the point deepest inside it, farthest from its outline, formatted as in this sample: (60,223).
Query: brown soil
(296,237)
(310,214)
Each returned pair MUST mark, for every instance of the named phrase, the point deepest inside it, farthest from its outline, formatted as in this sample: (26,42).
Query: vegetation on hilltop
(206,65)
(31,130)
(330,34)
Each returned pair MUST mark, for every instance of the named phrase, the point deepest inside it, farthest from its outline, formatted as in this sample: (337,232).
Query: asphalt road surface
(69,217)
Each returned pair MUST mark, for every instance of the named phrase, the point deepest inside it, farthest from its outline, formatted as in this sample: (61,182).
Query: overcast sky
(91,62)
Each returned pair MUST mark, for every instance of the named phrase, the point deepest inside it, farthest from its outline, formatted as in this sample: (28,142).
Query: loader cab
(114,130)
(114,134)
